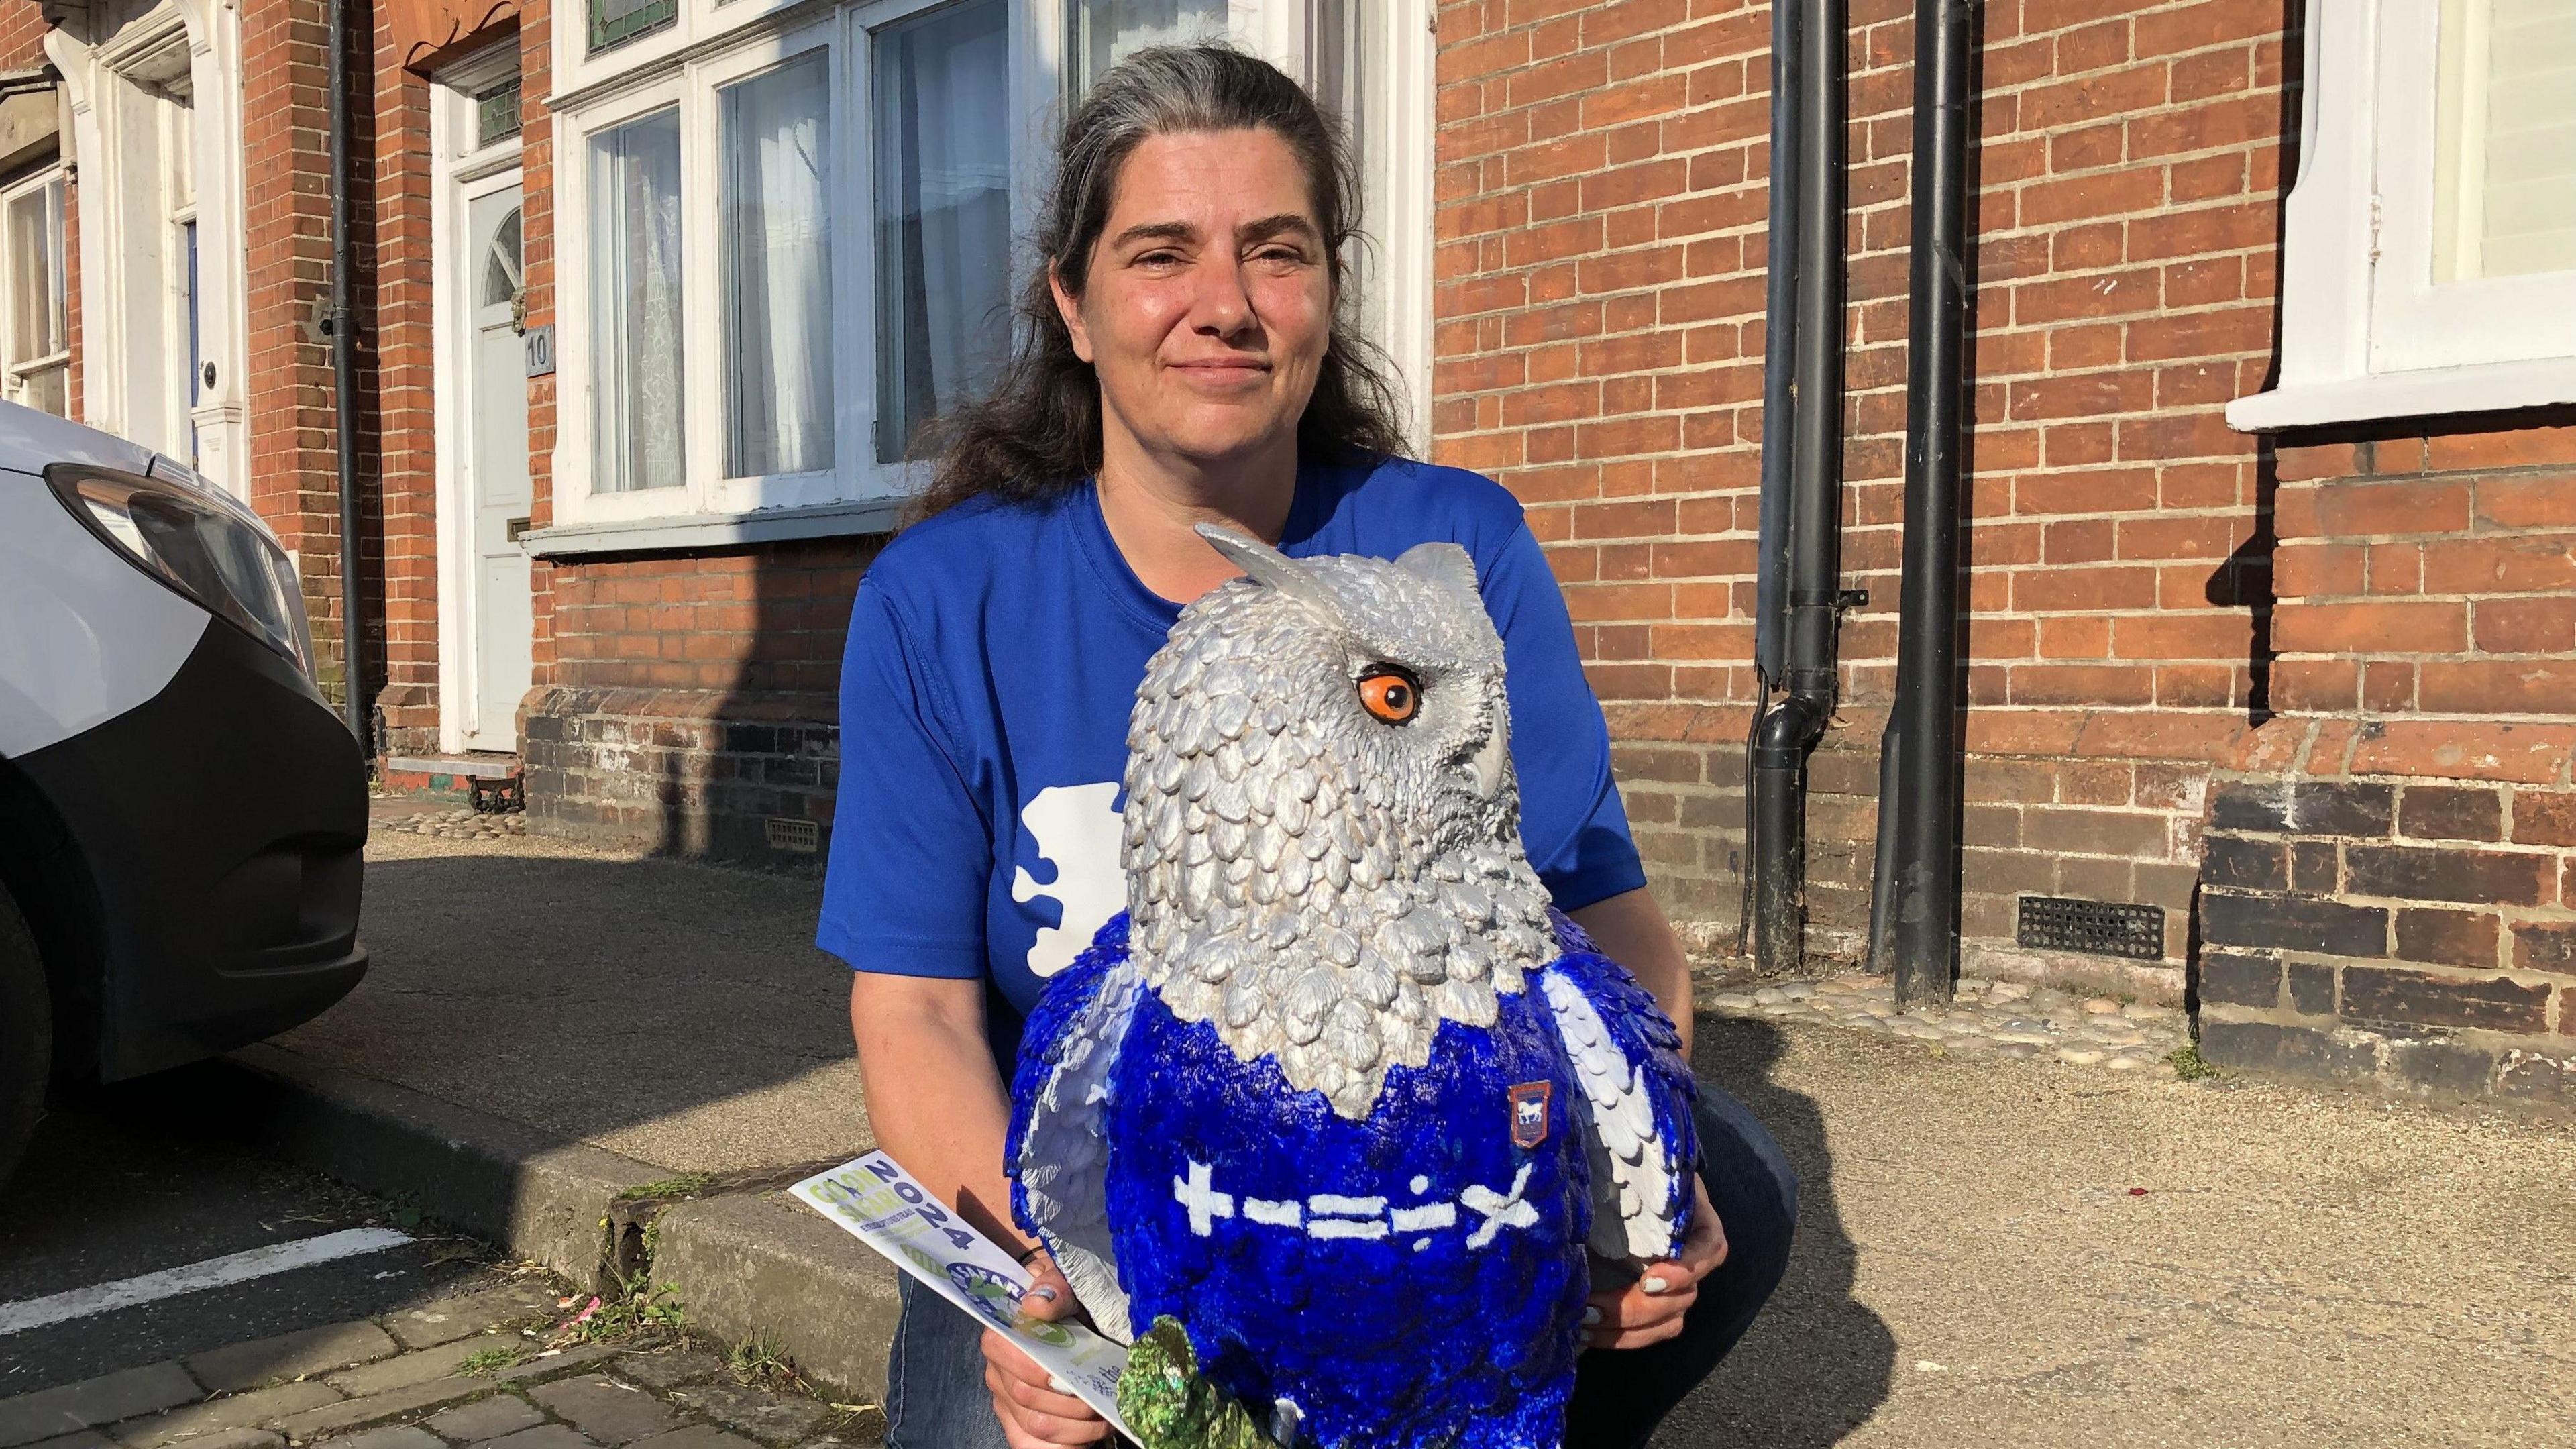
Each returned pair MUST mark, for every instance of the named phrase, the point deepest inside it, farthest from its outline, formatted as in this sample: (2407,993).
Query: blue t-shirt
(994,654)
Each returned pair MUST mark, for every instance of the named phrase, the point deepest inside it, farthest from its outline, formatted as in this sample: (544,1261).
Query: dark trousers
(935,1395)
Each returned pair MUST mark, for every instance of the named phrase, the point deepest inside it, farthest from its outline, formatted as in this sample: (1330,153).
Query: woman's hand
(1650,1310)
(1034,1413)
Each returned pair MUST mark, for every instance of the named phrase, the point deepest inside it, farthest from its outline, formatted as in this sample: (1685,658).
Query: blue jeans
(935,1395)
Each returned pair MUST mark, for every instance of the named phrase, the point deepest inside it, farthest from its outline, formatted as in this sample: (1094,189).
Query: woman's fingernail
(1043,1294)
(1591,1316)
(1059,1385)
(1657,1283)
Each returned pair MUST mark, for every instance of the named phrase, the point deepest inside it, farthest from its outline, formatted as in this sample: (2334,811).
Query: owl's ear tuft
(1445,564)
(1270,568)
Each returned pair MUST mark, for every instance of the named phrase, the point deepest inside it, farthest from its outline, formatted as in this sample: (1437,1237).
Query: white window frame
(2365,331)
(15,370)
(710,46)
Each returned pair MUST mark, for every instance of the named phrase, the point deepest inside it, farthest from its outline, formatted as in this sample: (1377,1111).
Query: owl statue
(1340,1093)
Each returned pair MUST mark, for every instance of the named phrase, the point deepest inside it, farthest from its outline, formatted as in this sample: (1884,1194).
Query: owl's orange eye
(1390,694)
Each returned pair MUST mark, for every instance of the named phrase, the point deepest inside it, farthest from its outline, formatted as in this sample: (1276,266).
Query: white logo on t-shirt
(1075,826)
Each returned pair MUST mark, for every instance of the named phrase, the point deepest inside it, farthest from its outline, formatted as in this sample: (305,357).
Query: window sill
(2492,387)
(716,530)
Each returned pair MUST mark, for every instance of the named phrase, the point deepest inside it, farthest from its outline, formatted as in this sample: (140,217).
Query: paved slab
(485,1419)
(72,1407)
(606,1411)
(219,1415)
(544,1436)
(2003,1253)
(291,1355)
(416,1367)
(525,1301)
(675,1013)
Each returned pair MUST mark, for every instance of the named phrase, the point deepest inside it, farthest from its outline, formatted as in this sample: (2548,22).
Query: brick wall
(537,278)
(2390,888)
(1602,197)
(294,478)
(693,698)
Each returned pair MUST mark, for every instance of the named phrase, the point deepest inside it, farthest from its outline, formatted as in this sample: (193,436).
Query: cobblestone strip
(457,824)
(463,1373)
(1989,1018)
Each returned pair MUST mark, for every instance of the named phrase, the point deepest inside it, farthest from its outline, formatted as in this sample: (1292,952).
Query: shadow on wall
(746,769)
(1818,1362)
(2243,580)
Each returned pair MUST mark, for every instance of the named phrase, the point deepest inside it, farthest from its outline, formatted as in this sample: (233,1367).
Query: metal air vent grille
(2098,928)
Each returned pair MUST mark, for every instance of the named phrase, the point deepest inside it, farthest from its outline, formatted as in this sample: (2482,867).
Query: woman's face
(1209,297)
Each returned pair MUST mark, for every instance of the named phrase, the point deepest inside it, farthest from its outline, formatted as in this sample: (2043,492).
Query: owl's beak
(1491,756)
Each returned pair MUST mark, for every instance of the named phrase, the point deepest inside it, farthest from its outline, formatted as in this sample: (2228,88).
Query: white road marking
(195,1277)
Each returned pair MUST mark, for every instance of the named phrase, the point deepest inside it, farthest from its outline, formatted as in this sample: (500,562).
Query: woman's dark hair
(1038,432)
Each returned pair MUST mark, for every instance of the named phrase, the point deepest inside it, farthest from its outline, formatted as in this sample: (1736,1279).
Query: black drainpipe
(1812,608)
(1779,401)
(1919,895)
(344,374)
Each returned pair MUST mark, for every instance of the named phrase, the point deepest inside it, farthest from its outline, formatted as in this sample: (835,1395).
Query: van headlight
(198,540)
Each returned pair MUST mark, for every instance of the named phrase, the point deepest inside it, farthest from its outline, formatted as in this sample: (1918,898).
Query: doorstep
(468,779)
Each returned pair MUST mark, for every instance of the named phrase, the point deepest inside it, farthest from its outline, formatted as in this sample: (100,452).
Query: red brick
(2548,501)
(2372,628)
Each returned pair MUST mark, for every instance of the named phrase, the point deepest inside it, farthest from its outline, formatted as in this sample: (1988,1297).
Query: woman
(1187,357)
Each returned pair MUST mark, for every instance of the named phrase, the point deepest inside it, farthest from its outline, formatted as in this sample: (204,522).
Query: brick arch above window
(427,33)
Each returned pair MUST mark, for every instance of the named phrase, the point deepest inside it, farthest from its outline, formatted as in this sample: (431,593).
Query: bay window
(2429,239)
(636,284)
(788,244)
(773,236)
(943,217)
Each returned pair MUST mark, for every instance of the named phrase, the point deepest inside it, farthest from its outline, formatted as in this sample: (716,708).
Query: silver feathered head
(1322,829)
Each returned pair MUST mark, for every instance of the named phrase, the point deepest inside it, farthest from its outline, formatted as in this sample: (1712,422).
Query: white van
(181,811)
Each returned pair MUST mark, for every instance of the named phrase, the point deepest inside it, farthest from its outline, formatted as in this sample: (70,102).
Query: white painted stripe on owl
(1337,1216)
(1076,827)
(1425,1218)
(1346,1228)
(1500,1211)
(1203,1201)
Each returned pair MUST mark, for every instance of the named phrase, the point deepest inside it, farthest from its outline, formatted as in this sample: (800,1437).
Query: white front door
(498,615)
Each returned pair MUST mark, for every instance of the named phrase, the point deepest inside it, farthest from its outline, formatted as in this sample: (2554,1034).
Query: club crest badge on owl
(1529,1113)
(1300,1099)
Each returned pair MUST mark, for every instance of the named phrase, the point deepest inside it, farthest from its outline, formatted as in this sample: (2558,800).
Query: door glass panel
(635,304)
(501,267)
(776,265)
(943,215)
(1105,30)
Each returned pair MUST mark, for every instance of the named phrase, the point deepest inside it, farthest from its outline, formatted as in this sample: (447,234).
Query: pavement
(1993,1250)
(673,1013)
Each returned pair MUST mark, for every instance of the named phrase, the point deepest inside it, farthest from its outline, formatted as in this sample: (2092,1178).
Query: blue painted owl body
(1344,1095)
(1412,1279)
